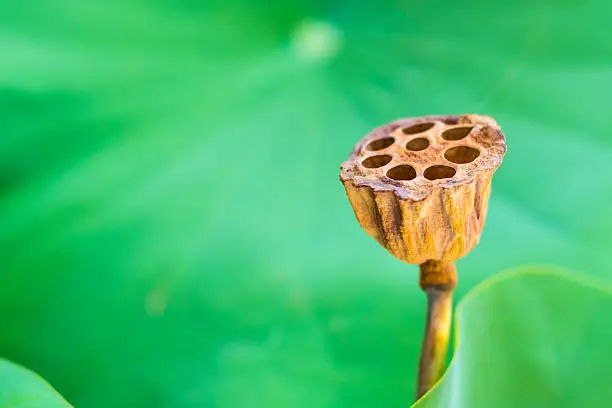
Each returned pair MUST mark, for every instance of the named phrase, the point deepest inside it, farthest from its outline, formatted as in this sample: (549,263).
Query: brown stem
(438,280)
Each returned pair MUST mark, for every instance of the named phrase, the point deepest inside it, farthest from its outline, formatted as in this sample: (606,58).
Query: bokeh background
(172,229)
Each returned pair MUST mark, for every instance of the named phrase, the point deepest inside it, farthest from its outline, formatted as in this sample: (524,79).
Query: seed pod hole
(376,161)
(380,144)
(439,172)
(402,172)
(461,154)
(456,133)
(417,144)
(451,120)
(418,128)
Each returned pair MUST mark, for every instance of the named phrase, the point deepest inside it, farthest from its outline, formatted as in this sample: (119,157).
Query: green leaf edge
(29,373)
(513,273)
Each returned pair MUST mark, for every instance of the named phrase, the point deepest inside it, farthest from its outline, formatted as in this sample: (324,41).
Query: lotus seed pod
(421,186)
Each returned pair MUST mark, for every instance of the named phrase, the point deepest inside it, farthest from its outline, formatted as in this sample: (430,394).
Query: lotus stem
(438,280)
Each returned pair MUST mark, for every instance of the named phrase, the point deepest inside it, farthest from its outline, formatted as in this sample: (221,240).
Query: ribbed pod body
(420,218)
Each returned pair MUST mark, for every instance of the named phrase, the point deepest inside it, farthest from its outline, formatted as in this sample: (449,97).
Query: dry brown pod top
(420,186)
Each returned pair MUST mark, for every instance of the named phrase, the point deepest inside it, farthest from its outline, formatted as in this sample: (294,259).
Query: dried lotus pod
(421,186)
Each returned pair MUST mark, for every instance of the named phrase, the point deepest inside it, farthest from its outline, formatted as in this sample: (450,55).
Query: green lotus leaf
(21,388)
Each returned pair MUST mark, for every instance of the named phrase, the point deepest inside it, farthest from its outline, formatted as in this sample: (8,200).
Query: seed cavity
(461,154)
(456,133)
(418,128)
(376,161)
(402,172)
(439,172)
(417,144)
(380,144)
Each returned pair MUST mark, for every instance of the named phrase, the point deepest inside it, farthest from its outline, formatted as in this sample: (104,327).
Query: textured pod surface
(421,186)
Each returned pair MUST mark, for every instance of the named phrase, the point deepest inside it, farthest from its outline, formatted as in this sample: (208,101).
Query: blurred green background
(172,229)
